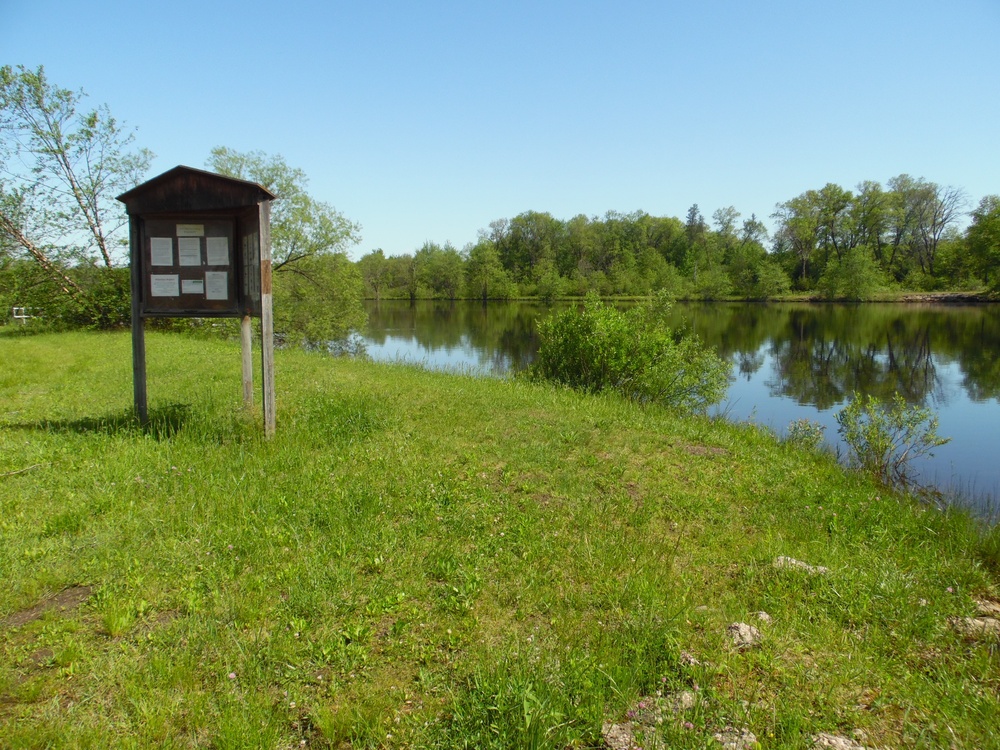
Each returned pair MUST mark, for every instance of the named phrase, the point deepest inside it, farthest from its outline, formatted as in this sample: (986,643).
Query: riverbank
(811,297)
(942,298)
(429,560)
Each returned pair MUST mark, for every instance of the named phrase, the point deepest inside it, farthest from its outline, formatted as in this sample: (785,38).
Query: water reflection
(790,361)
(496,338)
(820,354)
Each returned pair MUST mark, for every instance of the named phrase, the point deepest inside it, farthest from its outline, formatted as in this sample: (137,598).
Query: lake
(790,361)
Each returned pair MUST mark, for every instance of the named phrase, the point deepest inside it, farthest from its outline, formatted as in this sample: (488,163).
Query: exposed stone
(733,738)
(618,736)
(622,737)
(985,625)
(743,635)
(836,742)
(987,609)
(681,702)
(975,627)
(647,714)
(764,617)
(791,562)
(651,712)
(689,660)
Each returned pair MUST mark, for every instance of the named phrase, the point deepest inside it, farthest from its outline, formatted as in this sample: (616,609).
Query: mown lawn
(429,560)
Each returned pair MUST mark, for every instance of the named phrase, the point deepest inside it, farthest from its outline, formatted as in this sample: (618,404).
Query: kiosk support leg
(246,345)
(266,320)
(138,328)
(139,367)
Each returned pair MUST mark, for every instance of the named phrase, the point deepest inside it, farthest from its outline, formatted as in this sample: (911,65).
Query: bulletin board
(190,267)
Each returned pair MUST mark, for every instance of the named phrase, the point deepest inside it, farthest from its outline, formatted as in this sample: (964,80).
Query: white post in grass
(246,347)
(266,319)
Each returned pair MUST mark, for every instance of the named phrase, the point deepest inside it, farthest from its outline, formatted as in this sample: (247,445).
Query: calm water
(790,361)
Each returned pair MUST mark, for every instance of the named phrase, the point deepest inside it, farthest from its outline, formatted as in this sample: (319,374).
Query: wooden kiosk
(201,248)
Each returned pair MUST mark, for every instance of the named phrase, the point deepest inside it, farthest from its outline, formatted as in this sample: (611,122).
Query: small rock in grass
(689,660)
(622,737)
(836,742)
(975,627)
(618,736)
(681,702)
(732,738)
(651,712)
(987,609)
(743,635)
(647,714)
(764,617)
(791,562)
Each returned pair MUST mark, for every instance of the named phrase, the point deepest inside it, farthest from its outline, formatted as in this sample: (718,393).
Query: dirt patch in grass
(67,599)
(159,620)
(705,450)
(42,657)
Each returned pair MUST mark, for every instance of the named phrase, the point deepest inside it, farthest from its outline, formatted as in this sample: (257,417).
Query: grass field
(428,560)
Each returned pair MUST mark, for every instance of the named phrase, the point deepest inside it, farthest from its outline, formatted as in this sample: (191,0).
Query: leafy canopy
(301,226)
(61,166)
(317,290)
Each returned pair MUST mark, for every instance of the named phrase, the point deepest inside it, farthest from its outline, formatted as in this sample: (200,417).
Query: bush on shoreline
(632,352)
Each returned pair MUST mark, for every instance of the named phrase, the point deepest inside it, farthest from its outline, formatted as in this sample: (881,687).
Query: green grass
(428,560)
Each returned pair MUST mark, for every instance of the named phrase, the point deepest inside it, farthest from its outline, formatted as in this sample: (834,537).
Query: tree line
(831,242)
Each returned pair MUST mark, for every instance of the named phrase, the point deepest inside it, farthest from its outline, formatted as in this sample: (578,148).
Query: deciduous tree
(301,226)
(61,166)
(439,269)
(798,231)
(375,271)
(317,290)
(921,213)
(485,276)
(317,303)
(983,239)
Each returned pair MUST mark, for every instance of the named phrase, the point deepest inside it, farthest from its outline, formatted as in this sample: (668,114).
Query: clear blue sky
(427,120)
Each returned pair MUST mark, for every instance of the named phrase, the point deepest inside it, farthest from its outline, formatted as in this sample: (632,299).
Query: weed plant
(437,561)
(886,437)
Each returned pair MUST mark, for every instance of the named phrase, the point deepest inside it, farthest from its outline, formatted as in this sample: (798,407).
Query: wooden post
(266,319)
(246,345)
(138,324)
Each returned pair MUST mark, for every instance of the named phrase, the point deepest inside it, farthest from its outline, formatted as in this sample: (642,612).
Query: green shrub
(759,278)
(855,277)
(712,283)
(600,348)
(884,438)
(671,281)
(549,283)
(806,434)
(105,304)
(922,281)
